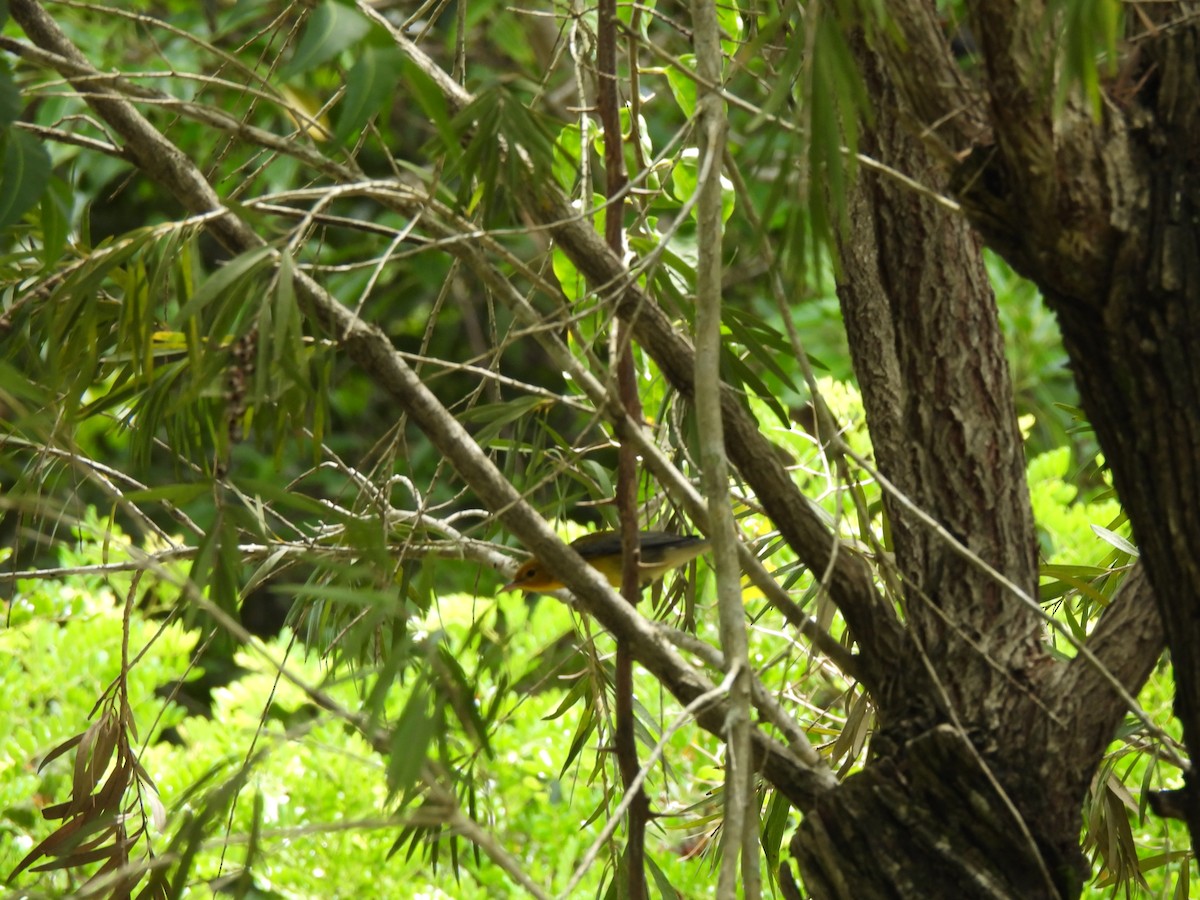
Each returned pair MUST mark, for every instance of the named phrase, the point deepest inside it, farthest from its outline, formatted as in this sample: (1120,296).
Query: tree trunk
(983,752)
(929,821)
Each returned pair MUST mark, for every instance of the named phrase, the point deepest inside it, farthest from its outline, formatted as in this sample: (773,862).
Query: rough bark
(926,343)
(927,821)
(1112,236)
(941,809)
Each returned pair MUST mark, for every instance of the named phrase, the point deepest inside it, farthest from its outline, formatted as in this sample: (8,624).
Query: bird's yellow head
(533,576)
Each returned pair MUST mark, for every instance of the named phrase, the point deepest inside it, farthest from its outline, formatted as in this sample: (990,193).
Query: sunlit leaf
(683,87)
(1111,537)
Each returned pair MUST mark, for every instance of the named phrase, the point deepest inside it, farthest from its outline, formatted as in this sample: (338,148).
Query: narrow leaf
(1111,537)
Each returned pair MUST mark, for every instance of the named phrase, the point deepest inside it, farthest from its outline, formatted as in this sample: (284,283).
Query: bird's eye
(531,573)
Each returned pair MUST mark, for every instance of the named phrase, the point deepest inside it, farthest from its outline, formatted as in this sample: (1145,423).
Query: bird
(661,551)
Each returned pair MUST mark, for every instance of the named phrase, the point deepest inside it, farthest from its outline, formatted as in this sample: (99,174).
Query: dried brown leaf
(109,797)
(82,783)
(106,744)
(77,858)
(59,751)
(108,832)
(51,845)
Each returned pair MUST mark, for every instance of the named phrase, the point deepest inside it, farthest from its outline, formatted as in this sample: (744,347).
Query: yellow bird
(661,551)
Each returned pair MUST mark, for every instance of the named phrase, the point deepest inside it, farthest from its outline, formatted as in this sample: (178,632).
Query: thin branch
(871,618)
(625,736)
(698,703)
(764,701)
(449,231)
(741,830)
(787,125)
(95,86)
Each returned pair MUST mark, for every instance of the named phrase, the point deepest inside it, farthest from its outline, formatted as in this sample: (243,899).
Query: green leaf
(760,340)
(23,175)
(1055,590)
(584,730)
(217,563)
(637,16)
(730,21)
(10,96)
(223,280)
(497,416)
(17,389)
(433,103)
(774,827)
(57,203)
(463,698)
(661,881)
(1077,572)
(738,373)
(683,86)
(331,28)
(836,97)
(281,361)
(1182,889)
(1089,33)
(277,493)
(635,153)
(370,83)
(568,153)
(574,285)
(410,743)
(177,494)
(498,128)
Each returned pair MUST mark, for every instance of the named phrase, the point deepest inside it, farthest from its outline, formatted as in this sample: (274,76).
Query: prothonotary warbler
(661,551)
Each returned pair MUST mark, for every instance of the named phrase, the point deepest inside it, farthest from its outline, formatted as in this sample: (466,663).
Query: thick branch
(1014,40)
(945,104)
(926,343)
(1127,641)
(1109,232)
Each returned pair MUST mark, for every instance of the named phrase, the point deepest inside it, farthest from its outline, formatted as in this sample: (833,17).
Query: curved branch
(1127,642)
